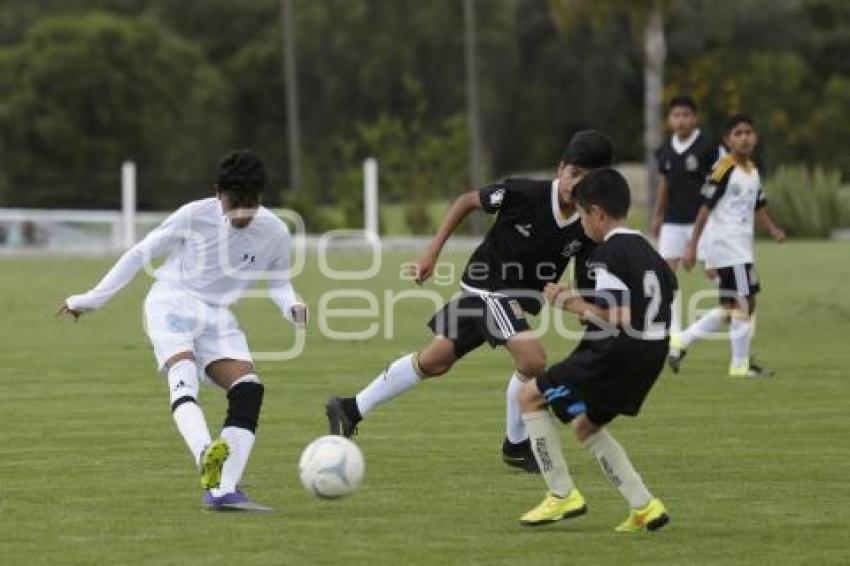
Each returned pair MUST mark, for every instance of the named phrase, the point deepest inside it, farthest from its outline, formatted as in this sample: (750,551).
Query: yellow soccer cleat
(749,369)
(676,342)
(554,508)
(212,460)
(650,518)
(676,354)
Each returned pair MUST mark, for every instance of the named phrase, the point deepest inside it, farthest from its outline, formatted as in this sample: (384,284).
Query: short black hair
(242,174)
(683,100)
(590,149)
(735,119)
(607,189)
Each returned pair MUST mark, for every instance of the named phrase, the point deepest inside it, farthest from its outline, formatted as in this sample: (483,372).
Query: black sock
(243,405)
(349,405)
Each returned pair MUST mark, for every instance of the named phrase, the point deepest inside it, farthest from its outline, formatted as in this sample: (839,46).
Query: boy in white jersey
(218,247)
(734,200)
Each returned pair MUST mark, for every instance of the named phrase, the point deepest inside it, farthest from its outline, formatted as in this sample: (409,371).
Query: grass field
(92,471)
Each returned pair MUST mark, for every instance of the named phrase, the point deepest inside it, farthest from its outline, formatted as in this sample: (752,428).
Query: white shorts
(673,241)
(176,322)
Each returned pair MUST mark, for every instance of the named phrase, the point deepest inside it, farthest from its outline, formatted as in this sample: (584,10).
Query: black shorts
(738,281)
(603,380)
(470,319)
(567,403)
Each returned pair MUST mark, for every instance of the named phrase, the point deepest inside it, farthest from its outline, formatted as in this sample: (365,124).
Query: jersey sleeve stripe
(724,165)
(607,281)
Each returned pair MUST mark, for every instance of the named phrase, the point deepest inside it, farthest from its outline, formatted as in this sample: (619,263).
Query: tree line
(86,84)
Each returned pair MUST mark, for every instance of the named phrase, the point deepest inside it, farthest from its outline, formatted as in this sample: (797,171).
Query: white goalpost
(27,230)
(370,197)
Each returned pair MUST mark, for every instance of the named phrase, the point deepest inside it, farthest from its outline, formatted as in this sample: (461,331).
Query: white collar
(681,146)
(616,231)
(560,219)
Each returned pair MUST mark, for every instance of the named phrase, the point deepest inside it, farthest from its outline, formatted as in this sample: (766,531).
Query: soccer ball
(331,467)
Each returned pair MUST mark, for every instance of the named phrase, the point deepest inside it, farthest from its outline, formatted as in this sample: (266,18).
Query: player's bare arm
(567,298)
(767,223)
(690,257)
(423,267)
(660,207)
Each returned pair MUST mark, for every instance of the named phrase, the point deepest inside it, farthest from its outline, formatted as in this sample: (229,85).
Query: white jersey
(733,193)
(208,258)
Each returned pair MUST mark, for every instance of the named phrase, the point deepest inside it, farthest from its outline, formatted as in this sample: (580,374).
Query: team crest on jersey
(571,249)
(496,198)
(692,163)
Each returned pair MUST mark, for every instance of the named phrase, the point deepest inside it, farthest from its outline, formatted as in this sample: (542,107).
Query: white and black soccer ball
(331,467)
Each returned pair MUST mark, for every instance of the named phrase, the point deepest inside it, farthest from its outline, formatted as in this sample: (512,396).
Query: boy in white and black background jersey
(217,248)
(614,366)
(536,234)
(684,161)
(733,201)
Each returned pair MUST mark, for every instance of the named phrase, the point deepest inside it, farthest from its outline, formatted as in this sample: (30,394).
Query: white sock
(514,425)
(676,314)
(241,443)
(710,322)
(617,467)
(183,384)
(741,334)
(400,376)
(546,444)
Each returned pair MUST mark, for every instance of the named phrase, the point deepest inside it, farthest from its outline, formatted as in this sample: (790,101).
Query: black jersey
(615,368)
(529,245)
(686,173)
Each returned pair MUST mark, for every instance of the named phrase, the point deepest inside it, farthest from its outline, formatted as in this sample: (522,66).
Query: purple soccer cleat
(234,501)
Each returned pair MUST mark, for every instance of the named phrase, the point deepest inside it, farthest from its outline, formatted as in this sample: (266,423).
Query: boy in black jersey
(535,235)
(684,162)
(615,364)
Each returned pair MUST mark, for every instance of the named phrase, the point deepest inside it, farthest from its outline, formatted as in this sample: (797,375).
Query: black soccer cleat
(520,456)
(340,422)
(675,360)
(760,371)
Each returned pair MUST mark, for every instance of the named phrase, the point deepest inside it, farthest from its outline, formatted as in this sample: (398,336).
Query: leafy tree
(81,94)
(647,17)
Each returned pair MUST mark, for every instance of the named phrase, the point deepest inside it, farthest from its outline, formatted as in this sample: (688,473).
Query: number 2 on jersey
(652,291)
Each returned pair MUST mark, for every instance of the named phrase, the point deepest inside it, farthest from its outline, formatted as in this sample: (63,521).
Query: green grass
(92,471)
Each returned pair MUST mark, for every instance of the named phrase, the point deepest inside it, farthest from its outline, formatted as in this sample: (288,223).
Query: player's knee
(532,366)
(183,383)
(435,368)
(244,399)
(173,360)
(529,397)
(434,363)
(584,428)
